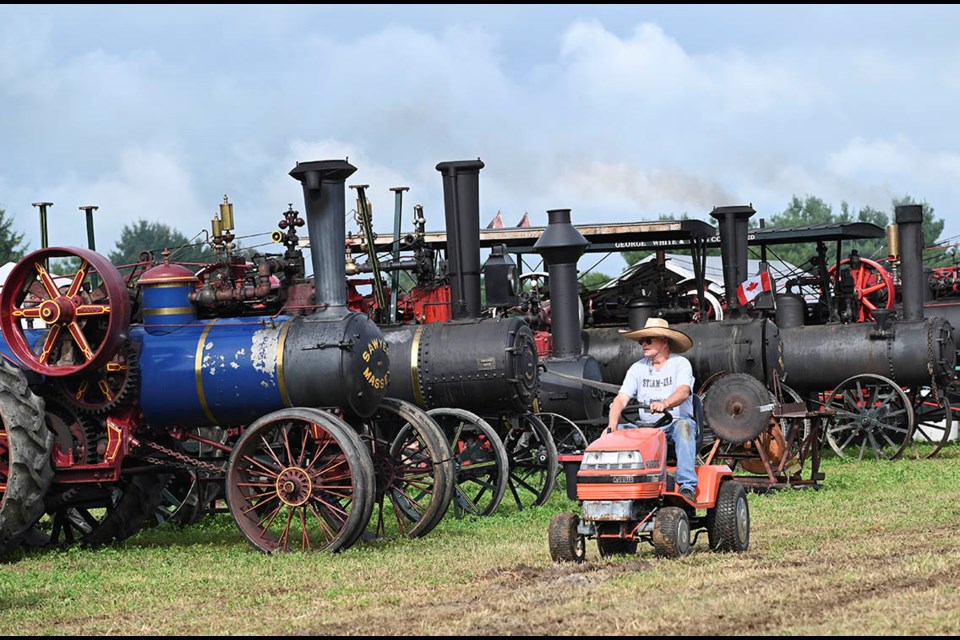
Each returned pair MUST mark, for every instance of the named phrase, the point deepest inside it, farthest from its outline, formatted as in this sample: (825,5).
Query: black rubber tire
(728,523)
(28,458)
(671,533)
(566,545)
(95,516)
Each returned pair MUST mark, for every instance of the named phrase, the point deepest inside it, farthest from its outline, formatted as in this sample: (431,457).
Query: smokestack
(323,193)
(733,247)
(909,218)
(461,205)
(561,245)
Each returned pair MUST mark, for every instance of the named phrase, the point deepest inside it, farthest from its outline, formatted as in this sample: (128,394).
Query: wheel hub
(294,486)
(385,470)
(742,518)
(60,311)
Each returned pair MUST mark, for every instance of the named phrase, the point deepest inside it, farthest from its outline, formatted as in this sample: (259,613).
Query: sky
(619,113)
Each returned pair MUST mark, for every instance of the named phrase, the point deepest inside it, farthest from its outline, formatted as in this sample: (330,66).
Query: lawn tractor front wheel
(566,544)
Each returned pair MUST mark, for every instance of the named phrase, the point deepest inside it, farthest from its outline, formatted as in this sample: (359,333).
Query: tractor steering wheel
(631,414)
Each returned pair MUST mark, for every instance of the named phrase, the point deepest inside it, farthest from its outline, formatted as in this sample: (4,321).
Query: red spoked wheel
(300,479)
(873,286)
(83,320)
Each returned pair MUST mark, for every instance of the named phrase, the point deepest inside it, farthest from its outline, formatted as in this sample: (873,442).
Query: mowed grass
(875,551)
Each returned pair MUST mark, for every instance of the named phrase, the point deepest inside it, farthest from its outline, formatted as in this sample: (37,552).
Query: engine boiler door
(737,407)
(525,361)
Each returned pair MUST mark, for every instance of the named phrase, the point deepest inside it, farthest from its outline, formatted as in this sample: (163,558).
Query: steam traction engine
(474,369)
(246,374)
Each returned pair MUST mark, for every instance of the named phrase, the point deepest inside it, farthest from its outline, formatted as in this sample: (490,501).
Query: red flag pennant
(524,221)
(497,222)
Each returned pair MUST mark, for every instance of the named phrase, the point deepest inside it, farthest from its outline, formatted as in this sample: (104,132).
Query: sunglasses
(647,340)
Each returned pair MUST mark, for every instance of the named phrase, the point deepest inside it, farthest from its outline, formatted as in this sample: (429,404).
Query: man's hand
(658,407)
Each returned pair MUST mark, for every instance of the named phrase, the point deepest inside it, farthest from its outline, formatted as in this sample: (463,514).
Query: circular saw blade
(737,407)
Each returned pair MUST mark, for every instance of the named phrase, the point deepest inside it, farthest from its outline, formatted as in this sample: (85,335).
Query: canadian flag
(752,287)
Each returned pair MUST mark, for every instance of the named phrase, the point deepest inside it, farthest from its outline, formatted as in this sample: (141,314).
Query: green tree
(12,247)
(155,237)
(933,256)
(594,280)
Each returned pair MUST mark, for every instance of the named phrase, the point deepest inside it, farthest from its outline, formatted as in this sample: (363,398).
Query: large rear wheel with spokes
(933,421)
(567,434)
(93,515)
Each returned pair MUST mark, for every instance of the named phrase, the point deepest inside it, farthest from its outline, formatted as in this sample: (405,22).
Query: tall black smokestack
(909,219)
(323,193)
(561,245)
(733,247)
(461,205)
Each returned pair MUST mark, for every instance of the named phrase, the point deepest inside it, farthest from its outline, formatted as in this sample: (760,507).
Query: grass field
(874,551)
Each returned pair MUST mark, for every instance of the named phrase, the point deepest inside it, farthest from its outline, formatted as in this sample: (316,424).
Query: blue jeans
(683,433)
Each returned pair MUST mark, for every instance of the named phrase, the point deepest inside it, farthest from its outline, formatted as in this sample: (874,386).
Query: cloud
(620,119)
(654,70)
(894,157)
(145,183)
(659,191)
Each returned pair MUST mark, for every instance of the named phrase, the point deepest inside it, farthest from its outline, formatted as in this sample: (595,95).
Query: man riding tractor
(627,489)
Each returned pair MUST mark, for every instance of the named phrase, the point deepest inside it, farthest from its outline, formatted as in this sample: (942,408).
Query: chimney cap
(460,166)
(330,170)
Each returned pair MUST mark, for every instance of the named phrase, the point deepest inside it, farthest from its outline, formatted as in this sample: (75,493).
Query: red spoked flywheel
(873,286)
(58,326)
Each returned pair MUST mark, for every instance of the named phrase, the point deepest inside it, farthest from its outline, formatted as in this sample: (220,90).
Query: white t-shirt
(648,384)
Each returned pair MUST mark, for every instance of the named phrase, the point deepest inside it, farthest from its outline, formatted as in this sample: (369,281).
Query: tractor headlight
(599,460)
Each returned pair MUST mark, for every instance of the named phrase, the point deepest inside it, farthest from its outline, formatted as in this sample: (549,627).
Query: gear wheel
(110,386)
(73,431)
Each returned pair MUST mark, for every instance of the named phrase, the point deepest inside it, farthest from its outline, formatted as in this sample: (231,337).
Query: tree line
(154,237)
(814,211)
(135,238)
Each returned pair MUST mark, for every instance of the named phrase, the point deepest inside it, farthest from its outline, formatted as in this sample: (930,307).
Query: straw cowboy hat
(658,328)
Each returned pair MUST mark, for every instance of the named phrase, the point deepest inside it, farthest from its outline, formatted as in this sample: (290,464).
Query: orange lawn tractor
(627,493)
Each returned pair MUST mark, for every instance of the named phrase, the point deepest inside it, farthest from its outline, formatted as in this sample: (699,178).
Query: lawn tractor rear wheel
(728,523)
